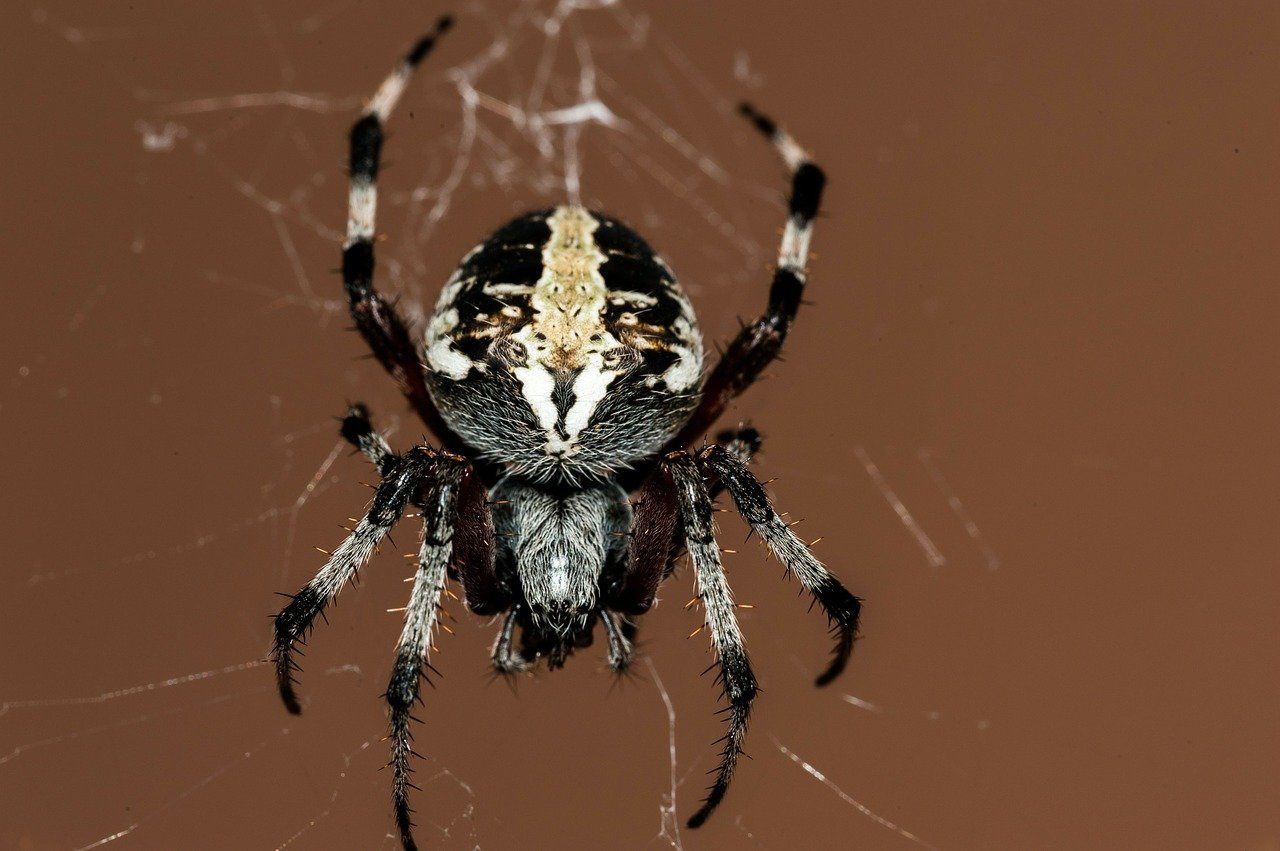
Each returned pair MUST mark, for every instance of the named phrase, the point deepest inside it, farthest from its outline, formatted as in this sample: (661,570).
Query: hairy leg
(726,638)
(439,496)
(841,607)
(400,484)
(472,560)
(375,318)
(758,344)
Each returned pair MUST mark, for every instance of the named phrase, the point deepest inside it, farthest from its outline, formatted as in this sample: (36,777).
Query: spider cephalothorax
(562,372)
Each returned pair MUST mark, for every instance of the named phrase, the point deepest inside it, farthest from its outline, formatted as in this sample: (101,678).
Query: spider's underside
(562,373)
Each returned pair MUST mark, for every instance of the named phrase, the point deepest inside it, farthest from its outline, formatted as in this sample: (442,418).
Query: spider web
(526,104)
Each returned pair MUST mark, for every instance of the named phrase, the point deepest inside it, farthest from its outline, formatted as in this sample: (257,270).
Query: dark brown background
(1048,263)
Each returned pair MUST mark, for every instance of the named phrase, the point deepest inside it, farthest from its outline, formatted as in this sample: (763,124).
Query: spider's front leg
(400,484)
(842,608)
(438,500)
(457,535)
(656,539)
(739,682)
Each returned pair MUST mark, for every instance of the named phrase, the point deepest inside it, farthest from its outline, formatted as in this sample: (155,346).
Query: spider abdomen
(563,347)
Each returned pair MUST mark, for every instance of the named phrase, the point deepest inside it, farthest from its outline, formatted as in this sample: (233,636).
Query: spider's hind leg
(758,344)
(376,318)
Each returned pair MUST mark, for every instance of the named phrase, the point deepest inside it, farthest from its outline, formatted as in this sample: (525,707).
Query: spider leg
(656,539)
(375,318)
(439,495)
(842,607)
(620,649)
(741,443)
(758,344)
(473,535)
(506,659)
(358,430)
(398,486)
(717,601)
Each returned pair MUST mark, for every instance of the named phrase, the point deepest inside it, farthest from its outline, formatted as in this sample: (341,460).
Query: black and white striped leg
(358,430)
(656,539)
(398,487)
(438,498)
(758,344)
(717,601)
(842,608)
(741,443)
(472,561)
(375,318)
(620,649)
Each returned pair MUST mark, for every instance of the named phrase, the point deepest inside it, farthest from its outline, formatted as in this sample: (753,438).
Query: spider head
(558,544)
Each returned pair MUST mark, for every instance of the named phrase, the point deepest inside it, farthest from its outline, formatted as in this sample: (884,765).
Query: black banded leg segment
(758,344)
(717,601)
(375,318)
(841,607)
(357,429)
(295,621)
(438,498)
(742,443)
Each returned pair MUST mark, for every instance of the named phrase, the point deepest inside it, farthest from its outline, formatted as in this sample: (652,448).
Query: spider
(562,372)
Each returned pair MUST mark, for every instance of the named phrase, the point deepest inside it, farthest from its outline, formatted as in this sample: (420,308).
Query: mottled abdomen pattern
(563,347)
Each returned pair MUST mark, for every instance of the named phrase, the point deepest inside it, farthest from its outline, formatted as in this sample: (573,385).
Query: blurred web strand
(333,798)
(958,509)
(142,718)
(253,100)
(115,694)
(145,717)
(298,504)
(848,799)
(670,829)
(190,790)
(315,485)
(931,551)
